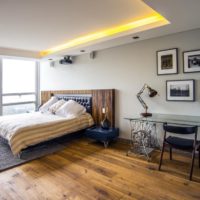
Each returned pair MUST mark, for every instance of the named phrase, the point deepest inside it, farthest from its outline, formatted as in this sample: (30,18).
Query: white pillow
(45,106)
(53,108)
(71,108)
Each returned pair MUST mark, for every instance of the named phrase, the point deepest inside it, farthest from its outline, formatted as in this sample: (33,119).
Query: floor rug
(7,160)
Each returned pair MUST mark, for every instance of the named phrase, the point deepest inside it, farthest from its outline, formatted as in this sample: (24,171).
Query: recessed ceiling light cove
(106,33)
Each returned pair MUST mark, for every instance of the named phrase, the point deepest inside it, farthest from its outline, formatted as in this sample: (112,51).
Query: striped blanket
(28,129)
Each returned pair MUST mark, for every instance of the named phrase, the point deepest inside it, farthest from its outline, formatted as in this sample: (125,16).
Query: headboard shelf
(100,99)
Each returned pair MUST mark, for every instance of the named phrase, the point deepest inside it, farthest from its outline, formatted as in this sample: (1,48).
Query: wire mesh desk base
(144,133)
(143,138)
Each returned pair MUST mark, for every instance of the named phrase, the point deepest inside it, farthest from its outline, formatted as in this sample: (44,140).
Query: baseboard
(123,140)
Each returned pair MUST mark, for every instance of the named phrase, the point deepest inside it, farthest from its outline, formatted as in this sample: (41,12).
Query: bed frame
(92,100)
(82,99)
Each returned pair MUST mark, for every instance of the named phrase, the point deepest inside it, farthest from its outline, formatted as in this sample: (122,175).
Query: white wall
(126,68)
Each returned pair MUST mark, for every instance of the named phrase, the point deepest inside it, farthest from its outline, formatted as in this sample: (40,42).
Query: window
(19,86)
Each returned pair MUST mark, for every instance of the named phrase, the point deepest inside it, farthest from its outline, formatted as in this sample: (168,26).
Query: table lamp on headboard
(151,93)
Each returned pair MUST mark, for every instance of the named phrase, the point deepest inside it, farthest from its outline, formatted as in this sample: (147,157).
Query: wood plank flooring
(84,170)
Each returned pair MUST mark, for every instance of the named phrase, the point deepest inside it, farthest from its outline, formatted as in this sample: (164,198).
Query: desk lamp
(151,93)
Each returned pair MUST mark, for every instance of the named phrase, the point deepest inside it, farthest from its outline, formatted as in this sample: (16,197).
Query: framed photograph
(180,90)
(191,61)
(167,61)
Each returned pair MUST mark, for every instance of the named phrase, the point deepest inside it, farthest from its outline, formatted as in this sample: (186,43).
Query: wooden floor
(85,170)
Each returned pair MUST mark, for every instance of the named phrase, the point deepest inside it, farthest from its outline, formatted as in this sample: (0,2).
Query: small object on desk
(103,135)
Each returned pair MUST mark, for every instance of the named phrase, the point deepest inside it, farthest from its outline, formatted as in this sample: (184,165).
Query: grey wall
(127,68)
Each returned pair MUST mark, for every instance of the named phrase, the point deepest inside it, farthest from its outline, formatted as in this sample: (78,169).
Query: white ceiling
(36,25)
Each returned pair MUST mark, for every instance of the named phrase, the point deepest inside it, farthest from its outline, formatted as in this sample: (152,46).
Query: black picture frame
(167,61)
(175,93)
(191,61)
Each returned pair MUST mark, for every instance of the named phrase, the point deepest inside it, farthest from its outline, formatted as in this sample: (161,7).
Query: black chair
(190,145)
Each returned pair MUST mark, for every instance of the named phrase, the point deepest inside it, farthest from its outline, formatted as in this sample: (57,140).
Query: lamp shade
(152,92)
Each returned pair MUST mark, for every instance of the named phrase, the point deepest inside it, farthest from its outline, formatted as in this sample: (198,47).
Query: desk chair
(190,145)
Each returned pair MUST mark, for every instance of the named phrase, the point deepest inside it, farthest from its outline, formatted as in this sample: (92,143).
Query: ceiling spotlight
(136,37)
(82,50)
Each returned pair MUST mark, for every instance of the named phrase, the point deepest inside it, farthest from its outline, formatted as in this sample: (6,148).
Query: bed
(23,130)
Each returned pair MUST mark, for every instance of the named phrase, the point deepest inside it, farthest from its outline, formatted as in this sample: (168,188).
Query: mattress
(24,130)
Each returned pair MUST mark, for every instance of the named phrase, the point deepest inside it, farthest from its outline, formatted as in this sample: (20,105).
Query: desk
(143,141)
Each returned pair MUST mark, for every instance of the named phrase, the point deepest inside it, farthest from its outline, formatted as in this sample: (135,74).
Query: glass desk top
(169,118)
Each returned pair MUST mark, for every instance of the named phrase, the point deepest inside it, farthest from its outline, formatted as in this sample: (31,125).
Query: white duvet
(23,130)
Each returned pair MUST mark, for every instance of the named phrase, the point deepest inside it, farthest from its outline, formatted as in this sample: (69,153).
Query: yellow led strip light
(105,33)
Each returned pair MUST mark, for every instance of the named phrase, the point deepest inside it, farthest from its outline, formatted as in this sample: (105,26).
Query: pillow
(53,108)
(71,108)
(45,106)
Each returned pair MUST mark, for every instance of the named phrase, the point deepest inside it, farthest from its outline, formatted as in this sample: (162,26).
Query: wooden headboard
(100,99)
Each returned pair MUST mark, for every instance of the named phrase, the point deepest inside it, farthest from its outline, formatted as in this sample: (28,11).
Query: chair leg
(170,153)
(192,165)
(199,157)
(161,156)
